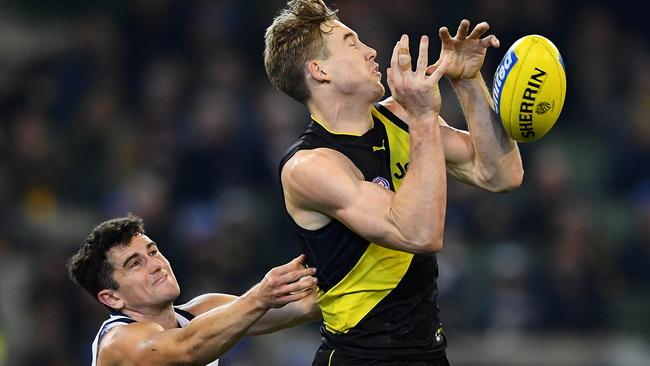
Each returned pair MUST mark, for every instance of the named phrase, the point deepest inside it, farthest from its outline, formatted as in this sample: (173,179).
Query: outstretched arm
(288,316)
(485,157)
(214,330)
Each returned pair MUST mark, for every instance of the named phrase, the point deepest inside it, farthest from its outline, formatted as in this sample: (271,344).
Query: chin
(171,296)
(170,291)
(378,93)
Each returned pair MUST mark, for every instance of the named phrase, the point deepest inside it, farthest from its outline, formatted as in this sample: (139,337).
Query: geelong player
(125,270)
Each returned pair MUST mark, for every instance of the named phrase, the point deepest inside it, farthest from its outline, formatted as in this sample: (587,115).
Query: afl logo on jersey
(382,182)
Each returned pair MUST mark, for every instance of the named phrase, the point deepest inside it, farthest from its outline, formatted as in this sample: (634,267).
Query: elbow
(430,245)
(435,245)
(505,182)
(514,180)
(517,179)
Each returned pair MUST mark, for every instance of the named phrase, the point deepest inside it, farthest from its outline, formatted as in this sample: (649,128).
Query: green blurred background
(163,108)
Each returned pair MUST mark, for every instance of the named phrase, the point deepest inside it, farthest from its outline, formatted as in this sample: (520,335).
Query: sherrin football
(529,88)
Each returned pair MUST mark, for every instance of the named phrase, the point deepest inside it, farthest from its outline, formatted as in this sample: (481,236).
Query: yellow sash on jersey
(379,269)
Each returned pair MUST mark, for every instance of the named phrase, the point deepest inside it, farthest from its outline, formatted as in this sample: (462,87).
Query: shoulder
(315,167)
(319,179)
(123,342)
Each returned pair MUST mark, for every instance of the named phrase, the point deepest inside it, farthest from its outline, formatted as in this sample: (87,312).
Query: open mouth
(376,70)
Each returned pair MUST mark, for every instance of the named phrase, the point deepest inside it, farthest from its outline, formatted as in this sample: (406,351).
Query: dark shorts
(326,356)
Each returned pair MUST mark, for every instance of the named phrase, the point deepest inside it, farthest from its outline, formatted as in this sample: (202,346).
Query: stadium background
(162,108)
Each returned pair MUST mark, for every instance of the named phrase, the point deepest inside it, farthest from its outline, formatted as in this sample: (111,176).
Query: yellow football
(529,88)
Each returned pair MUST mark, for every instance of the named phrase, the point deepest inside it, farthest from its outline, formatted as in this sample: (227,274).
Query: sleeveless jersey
(117,319)
(377,303)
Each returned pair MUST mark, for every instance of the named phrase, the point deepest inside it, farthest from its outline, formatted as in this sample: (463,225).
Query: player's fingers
(299,259)
(390,79)
(288,267)
(293,297)
(300,285)
(490,40)
(423,56)
(404,55)
(294,276)
(440,70)
(432,68)
(479,30)
(394,64)
(445,37)
(463,27)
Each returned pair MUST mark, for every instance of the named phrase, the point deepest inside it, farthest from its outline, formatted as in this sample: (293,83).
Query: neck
(342,115)
(165,317)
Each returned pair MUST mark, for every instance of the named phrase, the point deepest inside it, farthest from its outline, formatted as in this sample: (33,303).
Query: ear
(317,70)
(110,298)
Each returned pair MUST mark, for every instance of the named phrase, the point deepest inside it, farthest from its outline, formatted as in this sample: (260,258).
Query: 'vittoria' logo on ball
(382,182)
(542,107)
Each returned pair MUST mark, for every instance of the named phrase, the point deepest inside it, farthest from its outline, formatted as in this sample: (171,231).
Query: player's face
(143,274)
(351,62)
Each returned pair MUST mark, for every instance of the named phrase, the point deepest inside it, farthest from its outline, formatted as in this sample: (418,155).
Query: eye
(153,252)
(136,263)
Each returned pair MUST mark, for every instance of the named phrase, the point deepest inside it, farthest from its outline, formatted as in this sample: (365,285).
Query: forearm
(418,208)
(496,156)
(288,316)
(211,334)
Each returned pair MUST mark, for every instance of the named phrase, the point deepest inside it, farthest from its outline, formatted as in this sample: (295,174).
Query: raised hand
(417,91)
(466,52)
(287,283)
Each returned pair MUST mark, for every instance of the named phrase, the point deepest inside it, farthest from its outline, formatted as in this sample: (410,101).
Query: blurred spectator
(163,108)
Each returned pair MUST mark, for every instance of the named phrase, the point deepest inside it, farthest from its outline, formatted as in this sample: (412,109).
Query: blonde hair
(294,37)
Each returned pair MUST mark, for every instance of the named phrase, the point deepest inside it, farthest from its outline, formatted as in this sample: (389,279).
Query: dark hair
(294,38)
(89,267)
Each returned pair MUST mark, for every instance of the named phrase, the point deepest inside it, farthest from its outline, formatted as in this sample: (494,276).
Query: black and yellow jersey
(377,303)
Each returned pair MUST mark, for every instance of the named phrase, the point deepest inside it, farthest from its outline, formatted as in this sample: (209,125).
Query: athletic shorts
(326,356)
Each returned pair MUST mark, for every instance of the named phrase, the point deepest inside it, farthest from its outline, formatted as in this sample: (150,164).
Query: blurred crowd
(162,108)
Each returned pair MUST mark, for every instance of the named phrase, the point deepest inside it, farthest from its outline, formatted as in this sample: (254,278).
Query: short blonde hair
(294,37)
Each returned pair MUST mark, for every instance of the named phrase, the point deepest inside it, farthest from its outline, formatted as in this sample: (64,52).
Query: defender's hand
(287,283)
(416,91)
(466,53)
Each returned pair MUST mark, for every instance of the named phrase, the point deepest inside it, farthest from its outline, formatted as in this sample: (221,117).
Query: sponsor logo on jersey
(379,148)
(383,182)
(402,169)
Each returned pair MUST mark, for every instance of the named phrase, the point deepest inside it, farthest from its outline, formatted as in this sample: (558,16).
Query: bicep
(143,343)
(458,147)
(459,154)
(330,184)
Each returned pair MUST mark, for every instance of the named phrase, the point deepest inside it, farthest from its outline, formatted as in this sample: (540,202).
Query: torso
(377,303)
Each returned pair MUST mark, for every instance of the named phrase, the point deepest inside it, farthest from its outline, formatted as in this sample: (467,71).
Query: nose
(156,265)
(372,53)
